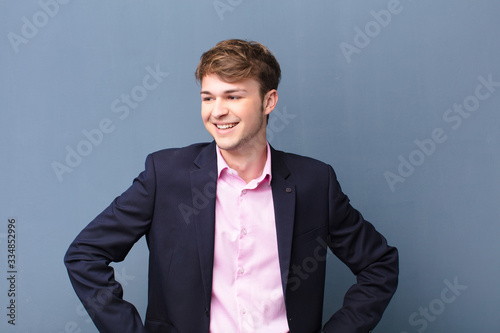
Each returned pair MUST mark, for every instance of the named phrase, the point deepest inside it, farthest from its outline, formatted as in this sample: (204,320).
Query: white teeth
(225,126)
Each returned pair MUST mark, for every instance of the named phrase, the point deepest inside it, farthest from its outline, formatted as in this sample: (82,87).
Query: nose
(220,108)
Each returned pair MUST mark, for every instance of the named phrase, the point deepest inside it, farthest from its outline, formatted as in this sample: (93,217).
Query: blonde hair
(235,60)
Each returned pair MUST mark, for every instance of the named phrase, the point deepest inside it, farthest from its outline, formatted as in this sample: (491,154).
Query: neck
(248,163)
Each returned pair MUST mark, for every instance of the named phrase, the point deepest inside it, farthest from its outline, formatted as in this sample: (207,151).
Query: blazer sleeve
(108,238)
(365,251)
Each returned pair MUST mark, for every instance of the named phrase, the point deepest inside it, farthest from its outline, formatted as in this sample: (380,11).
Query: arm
(109,237)
(375,264)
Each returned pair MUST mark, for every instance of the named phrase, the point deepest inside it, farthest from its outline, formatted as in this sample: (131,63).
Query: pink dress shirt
(247,294)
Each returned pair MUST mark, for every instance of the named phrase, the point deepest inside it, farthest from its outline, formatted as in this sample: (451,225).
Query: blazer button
(288,190)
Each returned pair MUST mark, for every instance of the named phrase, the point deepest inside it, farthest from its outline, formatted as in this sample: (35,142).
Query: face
(235,113)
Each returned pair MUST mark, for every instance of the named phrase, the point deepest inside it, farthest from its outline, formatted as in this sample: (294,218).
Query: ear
(270,101)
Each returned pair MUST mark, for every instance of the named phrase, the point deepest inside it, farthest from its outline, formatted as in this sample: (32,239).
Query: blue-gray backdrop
(401,97)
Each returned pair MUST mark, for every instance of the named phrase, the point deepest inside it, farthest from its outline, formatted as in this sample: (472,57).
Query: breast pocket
(309,236)
(159,326)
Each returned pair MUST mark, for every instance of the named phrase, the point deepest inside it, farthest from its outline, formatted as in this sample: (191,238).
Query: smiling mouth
(225,126)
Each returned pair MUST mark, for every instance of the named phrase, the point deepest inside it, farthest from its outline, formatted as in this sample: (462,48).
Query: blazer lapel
(284,211)
(203,187)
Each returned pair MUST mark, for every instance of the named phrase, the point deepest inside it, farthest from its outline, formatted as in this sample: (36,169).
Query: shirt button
(244,191)
(241,271)
(243,232)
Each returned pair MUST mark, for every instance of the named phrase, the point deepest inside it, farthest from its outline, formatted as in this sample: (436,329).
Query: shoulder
(181,155)
(301,169)
(175,164)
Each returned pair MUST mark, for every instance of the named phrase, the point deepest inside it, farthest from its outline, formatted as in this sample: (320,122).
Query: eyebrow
(206,92)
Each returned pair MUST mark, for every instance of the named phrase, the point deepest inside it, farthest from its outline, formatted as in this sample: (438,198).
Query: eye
(233,98)
(207,99)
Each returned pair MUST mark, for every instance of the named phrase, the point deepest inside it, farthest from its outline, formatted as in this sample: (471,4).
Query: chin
(227,147)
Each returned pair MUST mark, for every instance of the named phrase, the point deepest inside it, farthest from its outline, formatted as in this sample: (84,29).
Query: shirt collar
(266,172)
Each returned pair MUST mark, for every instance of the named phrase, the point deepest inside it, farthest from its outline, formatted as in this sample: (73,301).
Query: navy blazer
(172,203)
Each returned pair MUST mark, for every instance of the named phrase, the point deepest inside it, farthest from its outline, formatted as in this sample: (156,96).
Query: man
(237,231)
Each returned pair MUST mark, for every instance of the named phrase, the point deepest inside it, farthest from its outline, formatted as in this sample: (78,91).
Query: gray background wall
(401,97)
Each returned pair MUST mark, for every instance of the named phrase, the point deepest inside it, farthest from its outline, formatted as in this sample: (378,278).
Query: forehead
(212,83)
